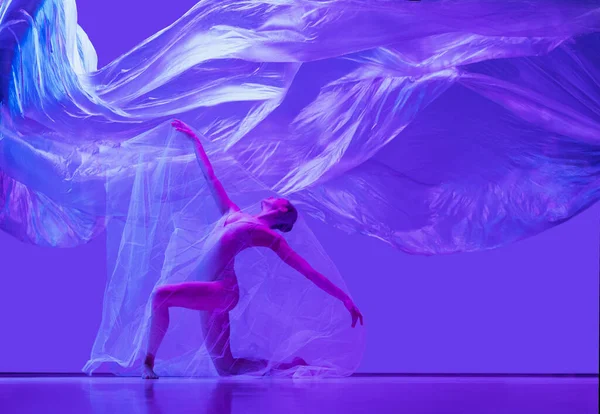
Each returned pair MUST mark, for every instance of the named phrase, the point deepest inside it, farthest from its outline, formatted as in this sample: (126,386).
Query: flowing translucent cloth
(435,126)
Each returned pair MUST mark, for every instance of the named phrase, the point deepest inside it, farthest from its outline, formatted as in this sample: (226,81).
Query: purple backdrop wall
(530,307)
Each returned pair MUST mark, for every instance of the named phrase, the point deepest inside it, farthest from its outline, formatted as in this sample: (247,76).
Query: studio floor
(376,394)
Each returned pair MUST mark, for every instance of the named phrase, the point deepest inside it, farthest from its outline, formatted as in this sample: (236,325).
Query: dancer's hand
(356,315)
(182,127)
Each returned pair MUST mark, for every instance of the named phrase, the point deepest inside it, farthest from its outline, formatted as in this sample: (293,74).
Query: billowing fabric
(435,126)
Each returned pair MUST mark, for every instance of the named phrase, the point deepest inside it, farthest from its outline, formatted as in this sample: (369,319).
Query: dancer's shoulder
(263,236)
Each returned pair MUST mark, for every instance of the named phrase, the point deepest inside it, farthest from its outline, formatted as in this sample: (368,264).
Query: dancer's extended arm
(220,195)
(279,245)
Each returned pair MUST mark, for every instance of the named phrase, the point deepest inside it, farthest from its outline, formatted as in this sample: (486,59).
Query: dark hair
(292,215)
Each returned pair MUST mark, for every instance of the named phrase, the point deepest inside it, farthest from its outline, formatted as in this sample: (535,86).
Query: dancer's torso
(231,235)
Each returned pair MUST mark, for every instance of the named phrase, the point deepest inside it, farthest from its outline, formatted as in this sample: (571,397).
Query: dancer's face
(282,210)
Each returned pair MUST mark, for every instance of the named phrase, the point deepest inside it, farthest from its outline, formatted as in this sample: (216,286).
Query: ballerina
(217,297)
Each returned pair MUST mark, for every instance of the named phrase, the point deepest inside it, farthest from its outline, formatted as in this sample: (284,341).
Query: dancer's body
(216,298)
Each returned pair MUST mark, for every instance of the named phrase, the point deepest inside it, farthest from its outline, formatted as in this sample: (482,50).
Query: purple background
(531,307)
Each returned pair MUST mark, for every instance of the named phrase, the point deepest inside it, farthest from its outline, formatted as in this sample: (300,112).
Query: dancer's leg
(206,296)
(217,299)
(217,335)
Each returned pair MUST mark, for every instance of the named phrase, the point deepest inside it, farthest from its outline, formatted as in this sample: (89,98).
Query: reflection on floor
(478,395)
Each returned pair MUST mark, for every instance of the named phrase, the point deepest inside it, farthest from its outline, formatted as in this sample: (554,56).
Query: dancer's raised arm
(220,195)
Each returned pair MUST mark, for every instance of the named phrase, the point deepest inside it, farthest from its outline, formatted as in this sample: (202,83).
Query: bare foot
(148,372)
(295,363)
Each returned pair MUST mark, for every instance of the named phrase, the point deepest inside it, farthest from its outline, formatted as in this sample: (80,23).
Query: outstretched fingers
(356,316)
(182,127)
